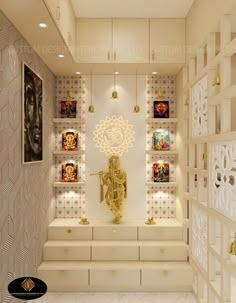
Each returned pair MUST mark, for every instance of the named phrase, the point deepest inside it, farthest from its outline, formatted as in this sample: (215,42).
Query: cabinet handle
(58,13)
(114,56)
(153,55)
(165,273)
(108,56)
(69,231)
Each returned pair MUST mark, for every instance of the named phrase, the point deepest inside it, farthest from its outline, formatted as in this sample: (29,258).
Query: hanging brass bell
(136,109)
(114,95)
(232,249)
(91,108)
(216,81)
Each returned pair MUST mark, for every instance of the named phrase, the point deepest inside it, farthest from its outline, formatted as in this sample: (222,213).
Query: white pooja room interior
(176,240)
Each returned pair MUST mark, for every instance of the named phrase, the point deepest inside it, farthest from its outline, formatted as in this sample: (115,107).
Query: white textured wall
(25,190)
(133,161)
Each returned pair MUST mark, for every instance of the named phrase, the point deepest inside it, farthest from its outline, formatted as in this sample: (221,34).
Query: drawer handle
(61,272)
(114,273)
(69,231)
(162,250)
(165,273)
(66,250)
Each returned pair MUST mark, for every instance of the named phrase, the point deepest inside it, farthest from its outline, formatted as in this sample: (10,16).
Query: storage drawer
(163,253)
(70,233)
(119,253)
(117,278)
(160,233)
(115,233)
(64,280)
(179,279)
(73,253)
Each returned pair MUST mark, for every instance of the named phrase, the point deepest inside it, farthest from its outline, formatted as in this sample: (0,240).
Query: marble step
(116,276)
(115,250)
(70,229)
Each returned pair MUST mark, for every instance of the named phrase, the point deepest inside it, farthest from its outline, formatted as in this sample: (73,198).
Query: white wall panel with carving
(223,178)
(199,108)
(199,236)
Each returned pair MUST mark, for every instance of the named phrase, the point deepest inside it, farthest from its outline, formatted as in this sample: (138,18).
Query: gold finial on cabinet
(84,221)
(150,221)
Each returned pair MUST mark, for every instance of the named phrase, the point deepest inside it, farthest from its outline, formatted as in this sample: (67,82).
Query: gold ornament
(115,182)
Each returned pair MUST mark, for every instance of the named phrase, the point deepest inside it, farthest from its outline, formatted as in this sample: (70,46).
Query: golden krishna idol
(115,182)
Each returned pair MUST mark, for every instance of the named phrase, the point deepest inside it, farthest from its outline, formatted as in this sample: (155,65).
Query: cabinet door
(167,40)
(94,40)
(130,40)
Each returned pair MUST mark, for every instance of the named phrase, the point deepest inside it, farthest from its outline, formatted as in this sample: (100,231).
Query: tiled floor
(117,297)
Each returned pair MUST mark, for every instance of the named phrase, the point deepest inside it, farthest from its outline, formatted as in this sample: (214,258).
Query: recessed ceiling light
(154,73)
(78,73)
(116,73)
(42,25)
(61,56)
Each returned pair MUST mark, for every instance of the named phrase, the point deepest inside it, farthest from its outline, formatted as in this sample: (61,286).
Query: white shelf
(161,152)
(69,120)
(68,184)
(162,120)
(69,152)
(162,184)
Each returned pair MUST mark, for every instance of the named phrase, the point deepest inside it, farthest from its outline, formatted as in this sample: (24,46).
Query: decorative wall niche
(199,108)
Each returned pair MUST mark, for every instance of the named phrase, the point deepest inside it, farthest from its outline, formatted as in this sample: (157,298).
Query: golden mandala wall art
(113,136)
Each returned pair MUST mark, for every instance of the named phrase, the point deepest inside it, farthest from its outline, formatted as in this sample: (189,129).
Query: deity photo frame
(32,116)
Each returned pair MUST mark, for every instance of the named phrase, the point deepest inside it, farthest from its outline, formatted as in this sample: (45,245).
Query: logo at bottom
(27,288)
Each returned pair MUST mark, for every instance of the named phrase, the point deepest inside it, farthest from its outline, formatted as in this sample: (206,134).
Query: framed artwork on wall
(32,116)
(68,108)
(160,109)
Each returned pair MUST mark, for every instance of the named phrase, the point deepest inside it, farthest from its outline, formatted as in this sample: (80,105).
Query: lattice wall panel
(223,178)
(199,236)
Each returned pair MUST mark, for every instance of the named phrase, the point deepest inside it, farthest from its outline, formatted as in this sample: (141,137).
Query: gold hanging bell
(217,81)
(136,109)
(114,95)
(91,108)
(232,249)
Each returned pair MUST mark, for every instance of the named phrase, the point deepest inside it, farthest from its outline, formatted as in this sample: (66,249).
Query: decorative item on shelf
(136,107)
(217,78)
(161,171)
(161,140)
(69,140)
(69,171)
(114,94)
(69,106)
(161,94)
(204,156)
(161,109)
(232,249)
(91,108)
(84,221)
(115,180)
(150,221)
(186,102)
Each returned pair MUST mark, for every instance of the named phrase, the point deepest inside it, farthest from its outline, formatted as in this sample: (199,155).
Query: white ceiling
(131,8)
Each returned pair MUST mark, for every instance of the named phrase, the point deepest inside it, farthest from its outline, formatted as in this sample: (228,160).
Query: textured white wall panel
(26,194)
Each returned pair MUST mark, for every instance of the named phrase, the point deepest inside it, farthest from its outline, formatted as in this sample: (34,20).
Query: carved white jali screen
(223,178)
(199,236)
(199,108)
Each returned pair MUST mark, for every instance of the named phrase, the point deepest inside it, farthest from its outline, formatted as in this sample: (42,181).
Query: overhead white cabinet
(167,40)
(131,40)
(94,41)
(112,41)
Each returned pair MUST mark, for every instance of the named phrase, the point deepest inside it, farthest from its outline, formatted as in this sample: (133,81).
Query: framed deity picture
(161,140)
(69,140)
(32,116)
(161,109)
(68,108)
(161,171)
(69,172)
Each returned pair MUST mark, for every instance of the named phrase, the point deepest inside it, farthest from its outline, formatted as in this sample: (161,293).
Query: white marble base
(117,297)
